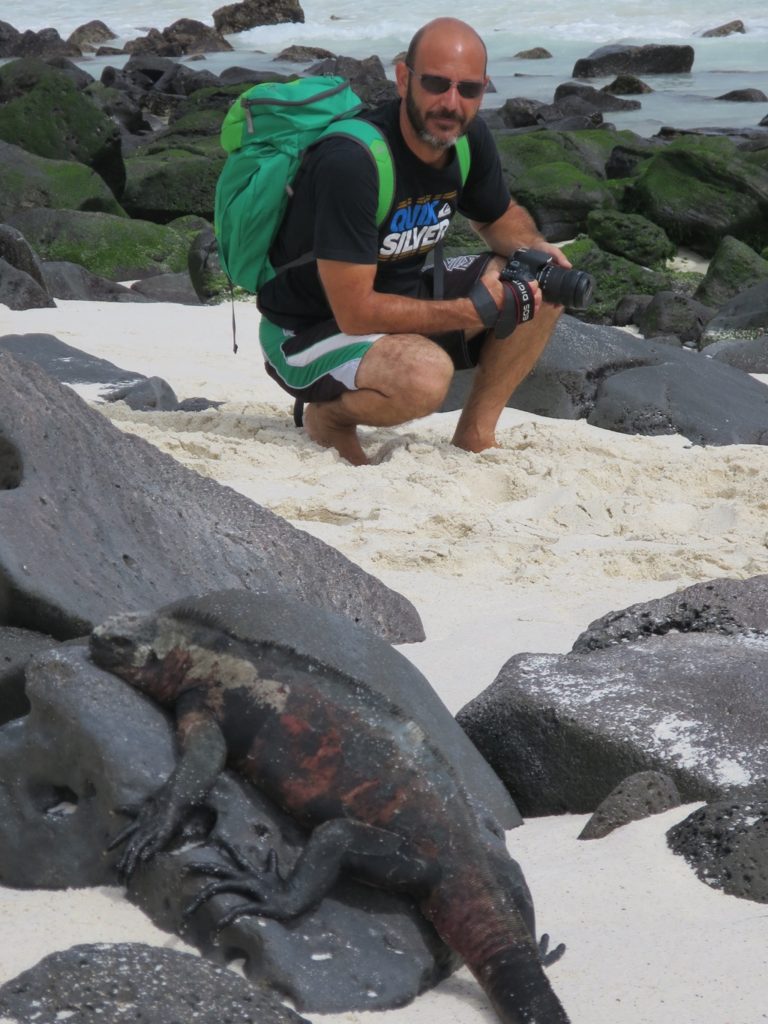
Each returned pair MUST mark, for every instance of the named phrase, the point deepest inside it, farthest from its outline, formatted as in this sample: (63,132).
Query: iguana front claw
(266,887)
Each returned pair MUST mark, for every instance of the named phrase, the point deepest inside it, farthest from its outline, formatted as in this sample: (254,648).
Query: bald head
(447,35)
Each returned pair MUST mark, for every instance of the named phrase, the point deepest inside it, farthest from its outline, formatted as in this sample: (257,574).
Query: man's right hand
(496,287)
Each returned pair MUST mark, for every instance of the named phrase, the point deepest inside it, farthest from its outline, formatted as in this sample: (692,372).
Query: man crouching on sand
(358,333)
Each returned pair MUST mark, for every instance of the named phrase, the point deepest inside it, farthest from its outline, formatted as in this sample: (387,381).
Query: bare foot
(322,426)
(474,441)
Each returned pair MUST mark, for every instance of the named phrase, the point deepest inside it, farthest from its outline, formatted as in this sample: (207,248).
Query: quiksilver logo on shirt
(417,226)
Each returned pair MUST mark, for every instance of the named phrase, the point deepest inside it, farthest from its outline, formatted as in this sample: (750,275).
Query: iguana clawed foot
(548,958)
(266,888)
(153,825)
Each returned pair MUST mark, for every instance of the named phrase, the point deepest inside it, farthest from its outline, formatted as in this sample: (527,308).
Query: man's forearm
(399,314)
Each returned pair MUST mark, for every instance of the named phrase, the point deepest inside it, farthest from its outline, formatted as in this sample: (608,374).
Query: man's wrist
(484,304)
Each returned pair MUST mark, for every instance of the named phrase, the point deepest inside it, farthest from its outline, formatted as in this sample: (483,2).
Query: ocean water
(567,28)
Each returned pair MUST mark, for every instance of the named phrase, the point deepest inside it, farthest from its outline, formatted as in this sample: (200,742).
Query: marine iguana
(380,799)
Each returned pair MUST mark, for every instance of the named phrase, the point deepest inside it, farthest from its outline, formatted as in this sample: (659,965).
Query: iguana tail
(484,927)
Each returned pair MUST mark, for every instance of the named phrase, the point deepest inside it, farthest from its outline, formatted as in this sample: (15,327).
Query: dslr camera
(561,287)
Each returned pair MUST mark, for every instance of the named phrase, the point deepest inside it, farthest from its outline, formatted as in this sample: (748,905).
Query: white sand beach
(516,549)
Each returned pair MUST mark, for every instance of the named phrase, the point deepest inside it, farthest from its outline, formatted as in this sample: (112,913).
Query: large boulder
(28,181)
(239,17)
(627,85)
(15,249)
(122,108)
(185,36)
(367,77)
(620,59)
(109,246)
(43,44)
(519,112)
(17,647)
(42,111)
(176,288)
(208,279)
(164,185)
(728,29)
(637,797)
(630,235)
(597,99)
(71,281)
(750,356)
(195,37)
(619,382)
(19,290)
(68,364)
(728,607)
(94,521)
(588,151)
(744,96)
(9,39)
(734,267)
(90,35)
(743,318)
(563,730)
(726,842)
(702,189)
(559,197)
(134,981)
(670,313)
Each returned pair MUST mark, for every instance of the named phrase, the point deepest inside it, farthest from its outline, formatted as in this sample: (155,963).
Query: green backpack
(266,132)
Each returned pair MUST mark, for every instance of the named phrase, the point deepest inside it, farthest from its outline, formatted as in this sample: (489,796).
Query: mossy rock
(195,124)
(701,190)
(42,111)
(118,106)
(734,268)
(170,184)
(615,277)
(208,279)
(588,150)
(27,181)
(214,98)
(113,247)
(560,197)
(630,235)
(684,282)
(758,157)
(197,133)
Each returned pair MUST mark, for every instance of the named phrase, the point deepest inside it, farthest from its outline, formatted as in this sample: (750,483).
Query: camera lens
(571,288)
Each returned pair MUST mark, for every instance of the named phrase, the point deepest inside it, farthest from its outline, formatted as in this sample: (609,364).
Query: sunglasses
(437,84)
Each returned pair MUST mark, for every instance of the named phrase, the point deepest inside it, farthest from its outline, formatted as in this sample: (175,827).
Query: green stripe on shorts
(302,369)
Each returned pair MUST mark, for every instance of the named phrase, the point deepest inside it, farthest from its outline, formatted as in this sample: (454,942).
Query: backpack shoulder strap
(464,157)
(374,141)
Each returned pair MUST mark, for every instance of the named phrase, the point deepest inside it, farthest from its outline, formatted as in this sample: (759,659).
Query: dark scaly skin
(380,800)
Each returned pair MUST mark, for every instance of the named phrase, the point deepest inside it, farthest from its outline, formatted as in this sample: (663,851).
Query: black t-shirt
(333,214)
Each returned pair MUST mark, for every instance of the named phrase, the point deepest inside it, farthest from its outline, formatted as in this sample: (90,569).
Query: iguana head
(142,649)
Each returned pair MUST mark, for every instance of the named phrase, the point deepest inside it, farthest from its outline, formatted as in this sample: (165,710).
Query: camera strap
(518,306)
(484,305)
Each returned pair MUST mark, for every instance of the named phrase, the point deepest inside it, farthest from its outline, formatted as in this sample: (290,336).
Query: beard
(419,123)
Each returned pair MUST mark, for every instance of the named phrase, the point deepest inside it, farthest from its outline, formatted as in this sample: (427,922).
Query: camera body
(561,287)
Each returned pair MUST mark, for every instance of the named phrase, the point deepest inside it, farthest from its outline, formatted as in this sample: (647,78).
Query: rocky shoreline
(119,184)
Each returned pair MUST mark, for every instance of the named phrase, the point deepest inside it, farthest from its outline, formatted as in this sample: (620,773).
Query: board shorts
(319,363)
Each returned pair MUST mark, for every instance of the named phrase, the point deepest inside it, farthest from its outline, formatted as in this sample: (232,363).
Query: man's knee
(412,368)
(429,378)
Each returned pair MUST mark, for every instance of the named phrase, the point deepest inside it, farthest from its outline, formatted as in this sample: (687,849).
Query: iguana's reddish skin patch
(382,801)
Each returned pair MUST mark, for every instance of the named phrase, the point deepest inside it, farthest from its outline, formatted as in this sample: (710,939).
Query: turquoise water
(569,30)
